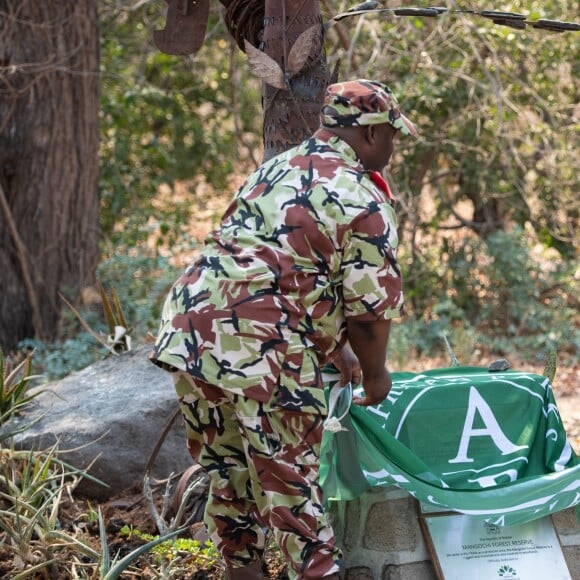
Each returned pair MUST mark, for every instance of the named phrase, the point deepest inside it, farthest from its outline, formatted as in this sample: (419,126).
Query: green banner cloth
(486,444)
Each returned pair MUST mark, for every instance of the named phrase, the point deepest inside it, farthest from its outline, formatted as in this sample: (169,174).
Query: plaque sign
(463,547)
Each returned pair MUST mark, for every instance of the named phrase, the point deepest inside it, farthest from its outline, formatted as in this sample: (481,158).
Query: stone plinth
(380,535)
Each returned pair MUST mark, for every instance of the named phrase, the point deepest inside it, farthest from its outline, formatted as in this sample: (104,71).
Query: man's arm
(369,342)
(348,365)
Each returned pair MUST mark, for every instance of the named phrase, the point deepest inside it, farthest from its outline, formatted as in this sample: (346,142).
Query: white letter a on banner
(492,429)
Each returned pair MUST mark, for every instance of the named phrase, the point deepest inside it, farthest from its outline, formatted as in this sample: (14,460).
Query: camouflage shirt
(307,241)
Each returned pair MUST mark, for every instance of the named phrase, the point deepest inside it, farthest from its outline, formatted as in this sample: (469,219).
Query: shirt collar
(346,151)
(348,154)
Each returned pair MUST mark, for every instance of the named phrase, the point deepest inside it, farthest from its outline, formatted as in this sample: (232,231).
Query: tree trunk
(49,138)
(290,116)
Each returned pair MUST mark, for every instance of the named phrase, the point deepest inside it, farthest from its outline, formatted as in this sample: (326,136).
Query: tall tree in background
(49,139)
(284,43)
(292,98)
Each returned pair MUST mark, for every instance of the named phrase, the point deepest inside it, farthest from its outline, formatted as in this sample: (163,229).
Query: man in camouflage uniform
(301,272)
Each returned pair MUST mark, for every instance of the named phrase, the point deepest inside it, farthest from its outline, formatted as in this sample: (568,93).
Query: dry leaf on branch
(265,67)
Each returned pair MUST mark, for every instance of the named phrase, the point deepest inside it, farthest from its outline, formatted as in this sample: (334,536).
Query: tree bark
(49,139)
(290,116)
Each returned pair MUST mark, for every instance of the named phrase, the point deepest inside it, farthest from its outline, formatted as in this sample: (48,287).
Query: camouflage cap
(363,102)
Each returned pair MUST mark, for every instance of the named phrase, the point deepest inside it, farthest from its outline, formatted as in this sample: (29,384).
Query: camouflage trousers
(263,467)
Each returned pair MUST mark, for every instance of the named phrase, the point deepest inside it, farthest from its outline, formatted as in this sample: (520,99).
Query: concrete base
(380,535)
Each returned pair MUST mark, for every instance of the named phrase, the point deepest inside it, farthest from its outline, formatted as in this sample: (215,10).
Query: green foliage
(198,555)
(15,380)
(416,337)
(522,297)
(512,285)
(31,487)
(62,357)
(163,119)
(505,293)
(517,296)
(141,282)
(496,112)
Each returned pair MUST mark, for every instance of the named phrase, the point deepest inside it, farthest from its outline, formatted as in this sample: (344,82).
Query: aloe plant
(14,396)
(111,570)
(31,487)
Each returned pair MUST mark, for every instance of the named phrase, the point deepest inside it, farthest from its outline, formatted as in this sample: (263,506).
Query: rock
(113,411)
(501,364)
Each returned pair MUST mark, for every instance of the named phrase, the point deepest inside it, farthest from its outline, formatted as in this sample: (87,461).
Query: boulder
(112,413)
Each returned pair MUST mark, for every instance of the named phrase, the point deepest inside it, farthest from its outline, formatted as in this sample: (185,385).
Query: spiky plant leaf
(107,308)
(551,365)
(121,320)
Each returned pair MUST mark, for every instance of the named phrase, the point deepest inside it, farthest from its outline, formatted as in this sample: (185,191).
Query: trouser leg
(214,441)
(251,572)
(283,448)
(263,465)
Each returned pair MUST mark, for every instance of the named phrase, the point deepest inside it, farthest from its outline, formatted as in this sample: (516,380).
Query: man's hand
(349,366)
(376,390)
(369,343)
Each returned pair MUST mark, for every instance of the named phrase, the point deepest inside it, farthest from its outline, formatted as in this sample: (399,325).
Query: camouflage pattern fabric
(363,102)
(263,468)
(308,241)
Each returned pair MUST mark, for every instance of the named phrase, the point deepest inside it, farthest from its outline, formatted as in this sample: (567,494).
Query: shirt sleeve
(371,277)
